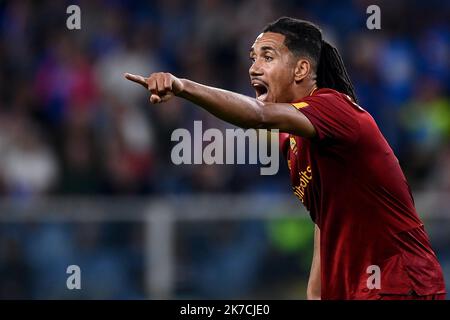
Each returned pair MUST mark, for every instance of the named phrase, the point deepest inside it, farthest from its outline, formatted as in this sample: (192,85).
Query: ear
(302,69)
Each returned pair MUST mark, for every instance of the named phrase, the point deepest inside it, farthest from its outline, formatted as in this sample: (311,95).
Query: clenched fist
(162,86)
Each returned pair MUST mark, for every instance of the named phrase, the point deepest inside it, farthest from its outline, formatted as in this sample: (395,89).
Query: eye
(252,59)
(268,58)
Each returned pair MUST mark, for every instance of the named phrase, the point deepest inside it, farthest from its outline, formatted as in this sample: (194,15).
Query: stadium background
(85,170)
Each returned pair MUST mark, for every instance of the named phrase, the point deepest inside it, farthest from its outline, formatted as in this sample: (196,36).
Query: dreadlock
(331,72)
(303,38)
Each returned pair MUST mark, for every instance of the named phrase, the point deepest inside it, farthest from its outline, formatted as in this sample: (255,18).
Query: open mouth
(261,90)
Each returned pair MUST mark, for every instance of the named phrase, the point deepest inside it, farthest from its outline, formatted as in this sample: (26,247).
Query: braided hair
(303,38)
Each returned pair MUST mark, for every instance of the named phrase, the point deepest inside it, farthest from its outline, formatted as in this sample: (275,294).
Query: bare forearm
(313,291)
(314,283)
(229,106)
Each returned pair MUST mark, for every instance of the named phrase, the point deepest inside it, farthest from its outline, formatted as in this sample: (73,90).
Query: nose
(255,69)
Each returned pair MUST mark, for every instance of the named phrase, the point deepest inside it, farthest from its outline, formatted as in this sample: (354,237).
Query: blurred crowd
(71,125)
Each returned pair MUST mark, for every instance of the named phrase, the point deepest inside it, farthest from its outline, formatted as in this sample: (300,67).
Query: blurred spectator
(28,165)
(426,122)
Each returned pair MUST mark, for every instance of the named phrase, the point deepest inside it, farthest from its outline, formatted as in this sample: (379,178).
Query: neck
(304,92)
(313,90)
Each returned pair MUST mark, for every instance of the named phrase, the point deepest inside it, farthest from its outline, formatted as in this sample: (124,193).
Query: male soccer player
(369,241)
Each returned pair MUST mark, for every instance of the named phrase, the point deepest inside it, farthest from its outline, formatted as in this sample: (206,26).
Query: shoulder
(326,94)
(331,100)
(332,113)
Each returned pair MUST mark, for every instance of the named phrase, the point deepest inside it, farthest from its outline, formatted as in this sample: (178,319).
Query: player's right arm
(314,283)
(229,106)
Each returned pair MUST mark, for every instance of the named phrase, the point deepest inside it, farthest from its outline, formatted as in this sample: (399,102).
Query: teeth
(261,91)
(262,97)
(258,85)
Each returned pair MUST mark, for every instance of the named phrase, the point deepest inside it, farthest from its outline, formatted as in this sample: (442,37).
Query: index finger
(137,79)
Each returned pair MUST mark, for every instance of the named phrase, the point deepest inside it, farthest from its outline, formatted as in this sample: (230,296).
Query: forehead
(269,39)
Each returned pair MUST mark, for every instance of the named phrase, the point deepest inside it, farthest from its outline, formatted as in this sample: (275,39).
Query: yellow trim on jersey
(300,105)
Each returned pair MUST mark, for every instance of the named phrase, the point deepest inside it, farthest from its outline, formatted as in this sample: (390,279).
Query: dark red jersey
(351,183)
